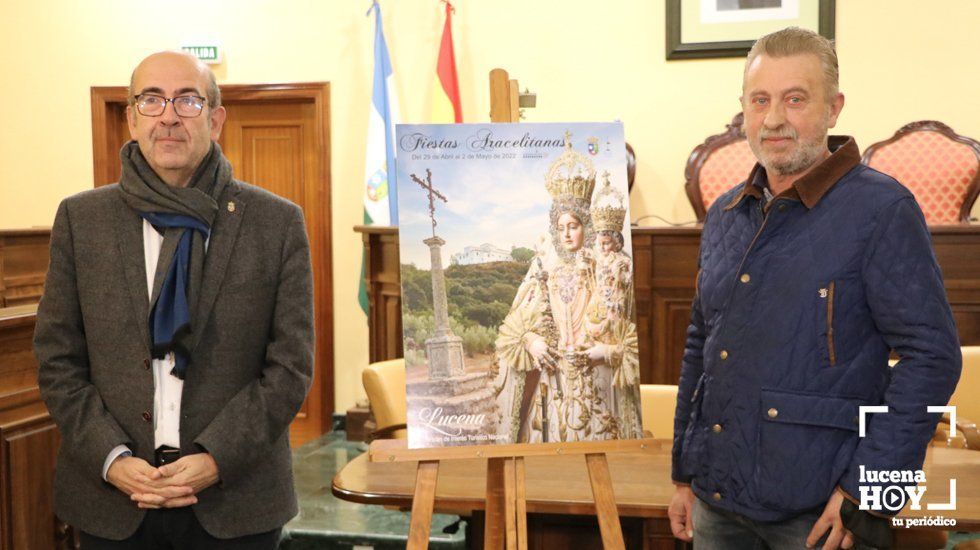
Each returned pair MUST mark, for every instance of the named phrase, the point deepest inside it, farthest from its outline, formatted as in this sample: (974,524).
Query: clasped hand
(543,356)
(172,485)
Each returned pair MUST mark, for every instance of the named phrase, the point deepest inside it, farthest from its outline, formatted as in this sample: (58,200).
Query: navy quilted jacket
(799,301)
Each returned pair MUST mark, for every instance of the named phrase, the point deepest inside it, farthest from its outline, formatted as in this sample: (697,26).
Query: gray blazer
(250,369)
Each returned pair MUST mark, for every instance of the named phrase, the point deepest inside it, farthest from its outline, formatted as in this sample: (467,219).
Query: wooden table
(641,483)
(942,465)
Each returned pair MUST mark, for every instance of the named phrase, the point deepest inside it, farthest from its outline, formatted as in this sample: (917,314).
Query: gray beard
(806,155)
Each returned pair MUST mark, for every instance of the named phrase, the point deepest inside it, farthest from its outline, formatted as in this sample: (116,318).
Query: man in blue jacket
(811,272)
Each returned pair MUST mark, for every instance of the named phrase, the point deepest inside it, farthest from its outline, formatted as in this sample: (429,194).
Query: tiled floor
(956,538)
(326,522)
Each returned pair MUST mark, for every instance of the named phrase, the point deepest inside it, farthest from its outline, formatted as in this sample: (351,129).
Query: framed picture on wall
(698,29)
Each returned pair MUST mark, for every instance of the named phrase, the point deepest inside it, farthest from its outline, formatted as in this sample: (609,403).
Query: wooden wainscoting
(23,265)
(28,442)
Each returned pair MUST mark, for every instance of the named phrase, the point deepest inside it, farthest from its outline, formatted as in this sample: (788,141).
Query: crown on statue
(609,210)
(571,175)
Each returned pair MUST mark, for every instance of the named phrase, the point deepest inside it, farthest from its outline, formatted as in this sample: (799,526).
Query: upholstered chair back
(939,166)
(658,402)
(384,383)
(720,163)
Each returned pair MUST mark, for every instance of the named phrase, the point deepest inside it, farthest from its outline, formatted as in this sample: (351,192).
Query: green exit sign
(208,54)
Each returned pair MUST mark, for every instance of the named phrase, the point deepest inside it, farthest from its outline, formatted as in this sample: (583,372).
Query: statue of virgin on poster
(567,350)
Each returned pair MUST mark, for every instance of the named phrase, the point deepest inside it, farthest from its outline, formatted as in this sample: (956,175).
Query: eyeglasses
(186,106)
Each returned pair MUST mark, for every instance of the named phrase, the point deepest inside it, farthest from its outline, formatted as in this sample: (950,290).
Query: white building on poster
(483,254)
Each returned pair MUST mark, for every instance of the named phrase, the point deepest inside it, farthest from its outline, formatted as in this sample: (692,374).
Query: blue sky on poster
(501,201)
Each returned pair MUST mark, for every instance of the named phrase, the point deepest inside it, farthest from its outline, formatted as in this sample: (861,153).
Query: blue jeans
(716,529)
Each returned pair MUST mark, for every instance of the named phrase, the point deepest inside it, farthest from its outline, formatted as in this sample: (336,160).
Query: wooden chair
(720,163)
(658,402)
(939,166)
(630,167)
(384,383)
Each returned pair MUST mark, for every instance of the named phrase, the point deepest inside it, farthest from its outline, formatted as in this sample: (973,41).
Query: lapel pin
(231,207)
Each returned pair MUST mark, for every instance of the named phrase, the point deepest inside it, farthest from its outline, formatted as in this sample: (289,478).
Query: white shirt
(167,388)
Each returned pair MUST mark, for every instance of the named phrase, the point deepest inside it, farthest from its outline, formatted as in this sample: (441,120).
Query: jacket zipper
(830,324)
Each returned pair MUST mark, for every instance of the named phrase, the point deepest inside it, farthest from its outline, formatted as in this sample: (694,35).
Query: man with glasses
(175,335)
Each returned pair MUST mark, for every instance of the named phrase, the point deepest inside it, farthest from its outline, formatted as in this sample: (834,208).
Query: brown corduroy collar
(814,185)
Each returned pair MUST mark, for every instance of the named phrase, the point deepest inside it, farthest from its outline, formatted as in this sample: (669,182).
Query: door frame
(109,110)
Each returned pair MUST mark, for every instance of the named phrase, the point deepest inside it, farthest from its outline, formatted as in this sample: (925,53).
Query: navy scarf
(170,317)
(183,215)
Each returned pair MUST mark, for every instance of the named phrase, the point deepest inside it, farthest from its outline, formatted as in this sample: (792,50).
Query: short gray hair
(214,92)
(797,41)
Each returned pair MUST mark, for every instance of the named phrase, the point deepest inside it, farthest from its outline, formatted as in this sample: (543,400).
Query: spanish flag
(445,103)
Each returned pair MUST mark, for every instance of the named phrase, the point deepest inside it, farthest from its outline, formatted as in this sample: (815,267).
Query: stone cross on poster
(444,349)
(433,193)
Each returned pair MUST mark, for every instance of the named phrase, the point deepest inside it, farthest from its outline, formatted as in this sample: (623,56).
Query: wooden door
(276,137)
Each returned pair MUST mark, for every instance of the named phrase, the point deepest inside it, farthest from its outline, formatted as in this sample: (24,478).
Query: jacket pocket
(827,341)
(830,323)
(805,443)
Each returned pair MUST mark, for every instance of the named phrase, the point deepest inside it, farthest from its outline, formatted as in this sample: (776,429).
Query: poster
(517,283)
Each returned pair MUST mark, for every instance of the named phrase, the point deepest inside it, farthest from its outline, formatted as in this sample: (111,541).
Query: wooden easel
(504,97)
(506,508)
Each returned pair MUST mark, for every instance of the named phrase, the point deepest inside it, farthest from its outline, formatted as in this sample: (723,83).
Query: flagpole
(446,106)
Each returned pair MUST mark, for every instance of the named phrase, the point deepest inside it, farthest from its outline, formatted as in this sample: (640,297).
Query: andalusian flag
(445,105)
(380,191)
